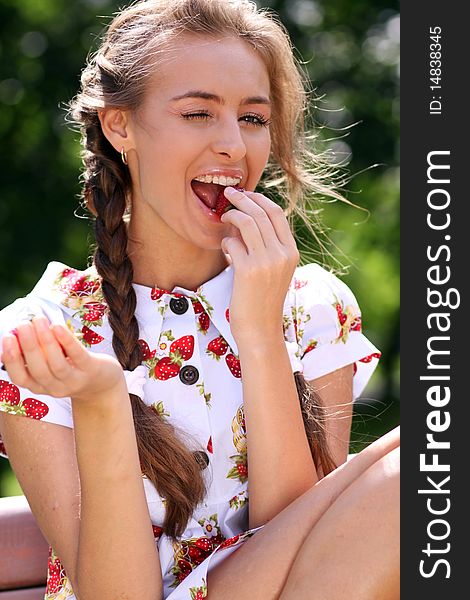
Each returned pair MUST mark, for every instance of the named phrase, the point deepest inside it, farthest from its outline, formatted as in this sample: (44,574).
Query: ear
(115,126)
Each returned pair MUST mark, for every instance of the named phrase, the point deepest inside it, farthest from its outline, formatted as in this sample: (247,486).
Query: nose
(228,139)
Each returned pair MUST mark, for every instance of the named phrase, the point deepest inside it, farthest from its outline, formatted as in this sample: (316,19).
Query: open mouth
(212,195)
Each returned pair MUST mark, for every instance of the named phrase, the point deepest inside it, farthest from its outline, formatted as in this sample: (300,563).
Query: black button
(179,305)
(189,374)
(202,458)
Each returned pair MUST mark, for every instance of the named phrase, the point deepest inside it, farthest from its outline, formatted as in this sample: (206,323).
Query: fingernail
(230,190)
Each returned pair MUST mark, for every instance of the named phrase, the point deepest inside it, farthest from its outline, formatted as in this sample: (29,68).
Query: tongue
(207,192)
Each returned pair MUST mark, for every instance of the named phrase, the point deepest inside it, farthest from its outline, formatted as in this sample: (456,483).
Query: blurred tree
(351,53)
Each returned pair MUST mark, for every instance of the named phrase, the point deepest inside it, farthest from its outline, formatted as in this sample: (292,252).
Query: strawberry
(204,322)
(218,539)
(146,353)
(233,364)
(217,347)
(229,542)
(227,315)
(243,470)
(185,566)
(90,337)
(157,531)
(356,326)
(342,318)
(157,293)
(184,345)
(73,281)
(355,369)
(194,552)
(222,204)
(55,575)
(9,393)
(94,311)
(299,283)
(209,446)
(67,272)
(199,596)
(204,544)
(198,307)
(166,369)
(311,346)
(35,409)
(367,359)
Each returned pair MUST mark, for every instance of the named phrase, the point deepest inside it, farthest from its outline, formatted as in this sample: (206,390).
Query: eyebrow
(218,99)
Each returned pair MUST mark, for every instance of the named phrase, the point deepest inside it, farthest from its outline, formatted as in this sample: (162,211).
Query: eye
(259,122)
(200,115)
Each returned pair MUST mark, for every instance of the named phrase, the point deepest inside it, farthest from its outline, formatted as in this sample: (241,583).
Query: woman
(195,309)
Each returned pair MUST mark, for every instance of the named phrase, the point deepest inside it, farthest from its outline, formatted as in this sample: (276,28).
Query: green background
(351,51)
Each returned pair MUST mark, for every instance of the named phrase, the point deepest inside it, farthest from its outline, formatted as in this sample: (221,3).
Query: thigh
(354,548)
(259,568)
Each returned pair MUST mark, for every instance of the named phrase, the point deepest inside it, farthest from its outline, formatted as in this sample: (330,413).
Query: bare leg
(353,550)
(264,561)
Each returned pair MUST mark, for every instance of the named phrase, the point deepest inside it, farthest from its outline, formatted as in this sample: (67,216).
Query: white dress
(193,378)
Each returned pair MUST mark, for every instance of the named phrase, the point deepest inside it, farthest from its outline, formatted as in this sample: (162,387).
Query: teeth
(219,179)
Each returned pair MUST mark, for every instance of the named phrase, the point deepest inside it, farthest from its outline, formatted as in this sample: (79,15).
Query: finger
(246,206)
(236,250)
(73,348)
(56,359)
(34,356)
(249,230)
(277,217)
(13,360)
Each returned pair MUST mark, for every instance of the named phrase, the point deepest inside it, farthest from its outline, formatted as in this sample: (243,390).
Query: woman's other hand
(49,359)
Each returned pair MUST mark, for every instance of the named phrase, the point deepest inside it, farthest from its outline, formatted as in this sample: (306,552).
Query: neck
(166,266)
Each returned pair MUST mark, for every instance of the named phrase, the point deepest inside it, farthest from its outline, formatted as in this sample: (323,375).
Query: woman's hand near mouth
(264,259)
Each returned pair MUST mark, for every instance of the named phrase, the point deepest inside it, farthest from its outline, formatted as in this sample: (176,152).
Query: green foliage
(350,50)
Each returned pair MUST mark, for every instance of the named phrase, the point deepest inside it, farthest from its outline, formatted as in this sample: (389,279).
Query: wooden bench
(23,551)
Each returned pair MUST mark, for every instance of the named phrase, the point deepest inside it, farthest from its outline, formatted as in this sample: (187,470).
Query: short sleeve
(328,327)
(21,401)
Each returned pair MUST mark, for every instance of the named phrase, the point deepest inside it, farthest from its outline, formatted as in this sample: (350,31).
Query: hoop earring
(123,156)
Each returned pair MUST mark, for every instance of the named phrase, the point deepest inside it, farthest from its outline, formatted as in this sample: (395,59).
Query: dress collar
(72,289)
(214,295)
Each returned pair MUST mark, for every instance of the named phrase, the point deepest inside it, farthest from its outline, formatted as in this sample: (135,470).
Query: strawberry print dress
(193,378)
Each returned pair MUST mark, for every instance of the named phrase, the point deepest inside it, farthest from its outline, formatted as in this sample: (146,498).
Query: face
(171,141)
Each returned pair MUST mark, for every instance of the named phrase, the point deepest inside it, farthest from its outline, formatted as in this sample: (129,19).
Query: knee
(391,463)
(383,477)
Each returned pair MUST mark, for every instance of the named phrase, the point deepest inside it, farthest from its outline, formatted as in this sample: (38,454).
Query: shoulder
(318,298)
(314,283)
(323,317)
(64,295)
